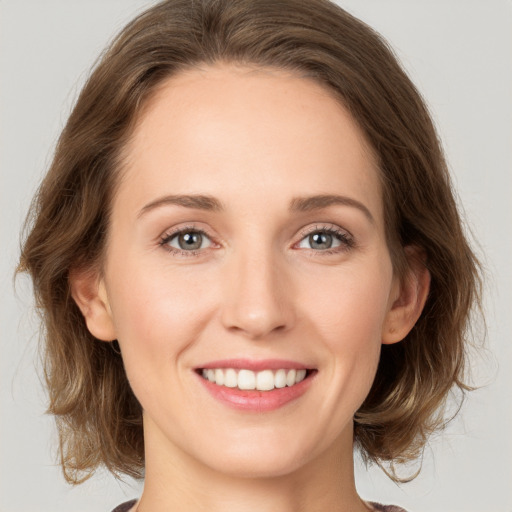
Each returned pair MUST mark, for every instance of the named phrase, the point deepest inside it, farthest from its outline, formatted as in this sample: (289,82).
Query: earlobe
(409,300)
(89,292)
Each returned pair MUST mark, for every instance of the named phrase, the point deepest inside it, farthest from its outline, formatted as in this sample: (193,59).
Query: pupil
(190,241)
(320,241)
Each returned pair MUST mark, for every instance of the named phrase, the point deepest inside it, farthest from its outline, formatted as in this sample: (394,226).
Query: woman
(249,259)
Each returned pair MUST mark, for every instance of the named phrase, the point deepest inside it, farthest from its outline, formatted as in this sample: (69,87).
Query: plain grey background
(458,52)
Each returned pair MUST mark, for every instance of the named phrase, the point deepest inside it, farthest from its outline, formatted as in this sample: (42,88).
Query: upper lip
(255,365)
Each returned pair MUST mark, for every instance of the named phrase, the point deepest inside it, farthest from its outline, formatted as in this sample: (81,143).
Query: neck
(176,482)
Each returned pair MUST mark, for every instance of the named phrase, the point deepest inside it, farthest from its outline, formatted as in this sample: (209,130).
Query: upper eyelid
(319,226)
(325,227)
(169,233)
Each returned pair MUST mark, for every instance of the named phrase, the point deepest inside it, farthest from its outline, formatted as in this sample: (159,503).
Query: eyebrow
(297,204)
(199,202)
(310,203)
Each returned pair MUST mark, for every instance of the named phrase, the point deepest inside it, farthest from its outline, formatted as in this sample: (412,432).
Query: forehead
(268,134)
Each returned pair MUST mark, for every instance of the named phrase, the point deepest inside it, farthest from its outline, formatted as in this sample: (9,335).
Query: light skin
(275,275)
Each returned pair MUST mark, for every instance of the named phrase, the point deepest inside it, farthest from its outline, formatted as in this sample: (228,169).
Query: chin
(251,468)
(259,459)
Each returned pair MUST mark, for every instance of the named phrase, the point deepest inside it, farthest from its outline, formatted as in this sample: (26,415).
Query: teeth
(246,379)
(230,378)
(300,375)
(280,379)
(265,380)
(219,377)
(290,377)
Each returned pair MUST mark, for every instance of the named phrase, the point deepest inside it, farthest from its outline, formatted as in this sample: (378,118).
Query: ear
(89,292)
(408,297)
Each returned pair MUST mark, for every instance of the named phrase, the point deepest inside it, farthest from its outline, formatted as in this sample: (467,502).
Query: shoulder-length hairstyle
(98,417)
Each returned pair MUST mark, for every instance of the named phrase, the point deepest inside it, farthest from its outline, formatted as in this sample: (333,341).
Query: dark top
(125,507)
(386,508)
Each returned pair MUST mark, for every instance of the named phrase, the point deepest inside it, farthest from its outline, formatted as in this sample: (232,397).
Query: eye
(186,241)
(329,239)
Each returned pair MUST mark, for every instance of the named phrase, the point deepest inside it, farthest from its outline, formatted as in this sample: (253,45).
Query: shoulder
(125,507)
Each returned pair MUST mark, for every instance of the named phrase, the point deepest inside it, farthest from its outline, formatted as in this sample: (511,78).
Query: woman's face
(247,244)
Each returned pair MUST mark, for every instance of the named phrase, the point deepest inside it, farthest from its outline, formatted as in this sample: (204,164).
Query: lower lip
(254,400)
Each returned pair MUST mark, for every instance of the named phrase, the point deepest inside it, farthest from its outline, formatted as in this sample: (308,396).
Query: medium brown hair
(98,417)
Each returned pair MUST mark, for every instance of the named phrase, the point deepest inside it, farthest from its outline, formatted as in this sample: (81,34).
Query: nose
(258,296)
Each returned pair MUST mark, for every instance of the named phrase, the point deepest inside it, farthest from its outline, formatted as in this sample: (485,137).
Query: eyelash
(347,242)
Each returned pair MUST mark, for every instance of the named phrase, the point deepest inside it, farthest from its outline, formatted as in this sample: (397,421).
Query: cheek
(157,320)
(353,305)
(349,319)
(156,316)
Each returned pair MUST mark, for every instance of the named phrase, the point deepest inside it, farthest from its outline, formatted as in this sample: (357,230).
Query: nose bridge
(257,299)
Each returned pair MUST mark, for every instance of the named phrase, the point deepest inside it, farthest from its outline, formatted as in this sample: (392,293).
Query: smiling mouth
(265,380)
